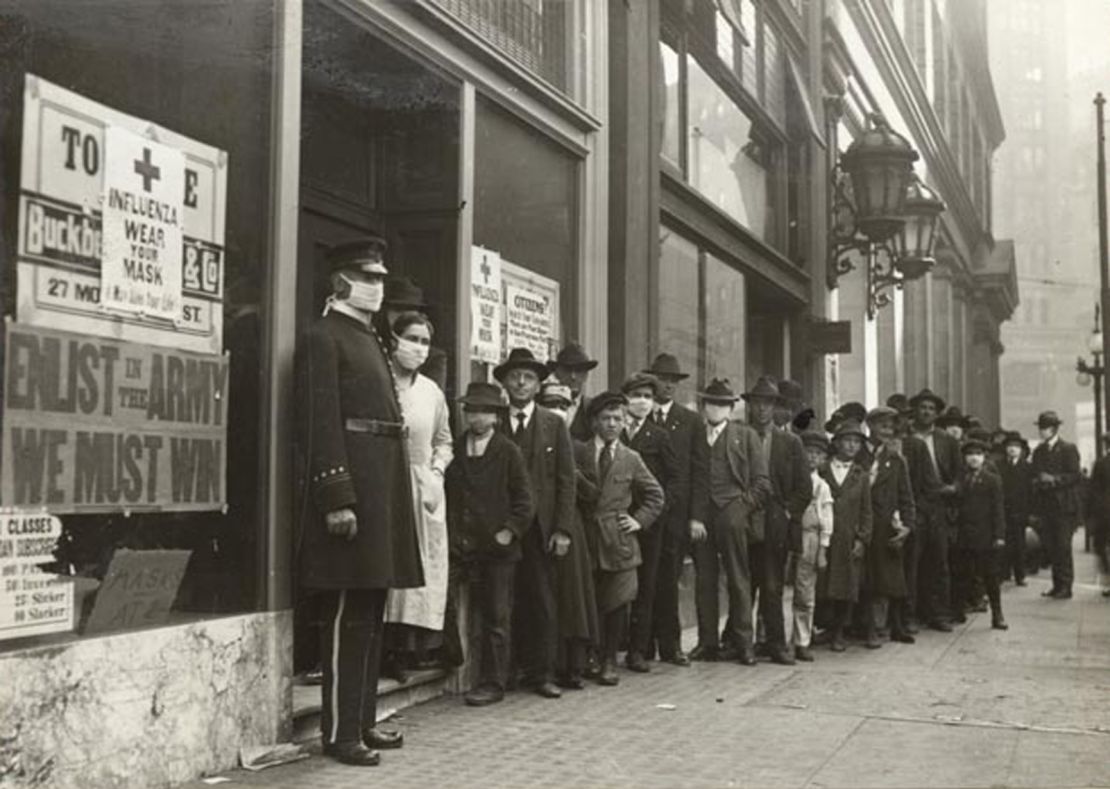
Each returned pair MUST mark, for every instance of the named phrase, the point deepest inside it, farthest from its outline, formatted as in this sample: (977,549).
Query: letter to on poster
(485,306)
(142,211)
(97,425)
(32,602)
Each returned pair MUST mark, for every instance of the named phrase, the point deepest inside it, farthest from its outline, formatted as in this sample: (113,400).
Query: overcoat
(628,488)
(653,444)
(1017,491)
(551,469)
(682,425)
(851,522)
(982,517)
(351,435)
(890,492)
(577,598)
(791,492)
(1061,461)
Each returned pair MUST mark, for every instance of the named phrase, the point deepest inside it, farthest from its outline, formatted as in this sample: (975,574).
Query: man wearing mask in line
(730,484)
(545,443)
(682,425)
(358,529)
(653,443)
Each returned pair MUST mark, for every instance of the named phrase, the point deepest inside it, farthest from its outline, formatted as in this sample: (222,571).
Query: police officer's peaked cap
(364,254)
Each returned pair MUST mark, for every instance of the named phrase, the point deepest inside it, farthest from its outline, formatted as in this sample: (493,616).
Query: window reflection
(724,322)
(671,109)
(678,306)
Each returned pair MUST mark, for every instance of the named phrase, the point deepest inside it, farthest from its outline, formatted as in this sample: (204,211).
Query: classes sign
(121,225)
(32,602)
(96,425)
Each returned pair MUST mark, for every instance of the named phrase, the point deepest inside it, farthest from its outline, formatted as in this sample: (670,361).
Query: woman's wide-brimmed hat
(483,396)
(815,439)
(853,410)
(520,358)
(402,293)
(849,427)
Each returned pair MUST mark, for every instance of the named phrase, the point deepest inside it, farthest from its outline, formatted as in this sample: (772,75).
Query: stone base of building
(147,708)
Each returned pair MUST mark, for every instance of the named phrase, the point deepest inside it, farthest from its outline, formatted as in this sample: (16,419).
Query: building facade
(639,177)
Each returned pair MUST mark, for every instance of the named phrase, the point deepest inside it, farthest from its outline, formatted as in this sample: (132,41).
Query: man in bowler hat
(545,443)
(1056,479)
(358,530)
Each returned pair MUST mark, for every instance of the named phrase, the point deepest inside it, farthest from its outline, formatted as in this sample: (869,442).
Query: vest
(723,487)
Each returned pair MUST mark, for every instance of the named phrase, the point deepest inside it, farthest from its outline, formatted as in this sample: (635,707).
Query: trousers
(727,546)
(979,565)
(649,579)
(768,569)
(350,651)
(1057,529)
(536,618)
(805,589)
(1015,549)
(930,547)
(667,628)
(491,587)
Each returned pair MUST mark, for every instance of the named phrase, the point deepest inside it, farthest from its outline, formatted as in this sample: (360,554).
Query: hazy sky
(1088,35)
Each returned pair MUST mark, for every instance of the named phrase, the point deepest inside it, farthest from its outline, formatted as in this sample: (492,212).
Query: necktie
(659,418)
(519,424)
(605,461)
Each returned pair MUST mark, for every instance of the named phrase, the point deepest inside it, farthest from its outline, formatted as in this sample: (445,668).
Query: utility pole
(1103,253)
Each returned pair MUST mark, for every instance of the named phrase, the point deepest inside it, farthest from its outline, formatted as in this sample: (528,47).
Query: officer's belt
(377,427)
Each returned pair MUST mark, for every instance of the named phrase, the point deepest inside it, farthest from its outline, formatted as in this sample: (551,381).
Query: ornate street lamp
(1094,372)
(882,211)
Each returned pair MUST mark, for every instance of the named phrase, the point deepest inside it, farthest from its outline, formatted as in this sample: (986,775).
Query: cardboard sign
(96,425)
(102,194)
(142,208)
(828,337)
(531,311)
(138,590)
(32,602)
(485,306)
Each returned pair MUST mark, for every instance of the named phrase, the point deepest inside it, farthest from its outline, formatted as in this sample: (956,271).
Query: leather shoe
(762,649)
(998,623)
(377,739)
(959,618)
(484,696)
(1020,582)
(911,628)
(1062,594)
(608,676)
(803,654)
(353,753)
(902,637)
(634,661)
(745,657)
(549,690)
(940,626)
(873,642)
(679,658)
(781,656)
(837,644)
(571,682)
(708,654)
(1049,592)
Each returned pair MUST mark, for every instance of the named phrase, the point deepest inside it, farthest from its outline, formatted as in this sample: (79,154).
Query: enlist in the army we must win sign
(96,425)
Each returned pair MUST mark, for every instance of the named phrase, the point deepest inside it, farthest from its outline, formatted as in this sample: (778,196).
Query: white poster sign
(142,206)
(75,153)
(32,602)
(485,306)
(531,311)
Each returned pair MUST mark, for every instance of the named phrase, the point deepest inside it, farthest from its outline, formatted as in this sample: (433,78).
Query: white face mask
(365,296)
(640,407)
(715,413)
(410,355)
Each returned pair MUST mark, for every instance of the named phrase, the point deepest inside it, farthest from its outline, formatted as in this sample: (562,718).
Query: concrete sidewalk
(974,708)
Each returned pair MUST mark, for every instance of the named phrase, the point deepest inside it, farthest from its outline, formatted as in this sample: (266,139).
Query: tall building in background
(1045,199)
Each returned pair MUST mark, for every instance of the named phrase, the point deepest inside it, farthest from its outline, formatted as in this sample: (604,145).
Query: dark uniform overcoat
(890,492)
(351,435)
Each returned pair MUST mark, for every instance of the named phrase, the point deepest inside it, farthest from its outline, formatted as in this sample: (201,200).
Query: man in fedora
(780,519)
(653,443)
(730,484)
(791,402)
(545,443)
(935,517)
(358,530)
(682,425)
(1056,479)
(403,295)
(572,367)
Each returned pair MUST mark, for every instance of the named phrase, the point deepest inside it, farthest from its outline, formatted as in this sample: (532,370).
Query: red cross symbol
(146,170)
(486,270)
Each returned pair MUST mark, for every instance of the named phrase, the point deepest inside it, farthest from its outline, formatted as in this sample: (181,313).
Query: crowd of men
(571,517)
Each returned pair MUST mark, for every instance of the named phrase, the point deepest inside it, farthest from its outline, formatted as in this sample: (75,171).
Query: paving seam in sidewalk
(839,747)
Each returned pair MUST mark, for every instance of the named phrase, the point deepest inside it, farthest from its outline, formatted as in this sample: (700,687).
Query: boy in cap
(653,443)
(817,528)
(629,500)
(489,511)
(981,531)
(545,444)
(1017,492)
(1056,489)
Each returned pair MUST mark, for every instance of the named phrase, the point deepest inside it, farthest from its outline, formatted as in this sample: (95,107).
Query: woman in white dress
(415,616)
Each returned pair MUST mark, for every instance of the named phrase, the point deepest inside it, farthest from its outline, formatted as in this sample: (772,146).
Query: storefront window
(126,469)
(679,331)
(728,159)
(671,108)
(725,334)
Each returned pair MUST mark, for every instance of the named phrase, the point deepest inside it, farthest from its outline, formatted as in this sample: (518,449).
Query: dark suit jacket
(950,462)
(1062,462)
(1017,490)
(627,488)
(682,424)
(749,468)
(654,445)
(982,517)
(580,428)
(551,469)
(924,481)
(791,491)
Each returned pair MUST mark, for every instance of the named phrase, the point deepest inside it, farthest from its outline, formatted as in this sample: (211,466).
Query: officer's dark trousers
(934,592)
(350,651)
(730,532)
(1056,531)
(978,566)
(491,594)
(668,630)
(1015,549)
(768,567)
(648,576)
(536,614)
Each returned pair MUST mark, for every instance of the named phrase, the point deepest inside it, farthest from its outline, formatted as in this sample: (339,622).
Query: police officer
(358,531)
